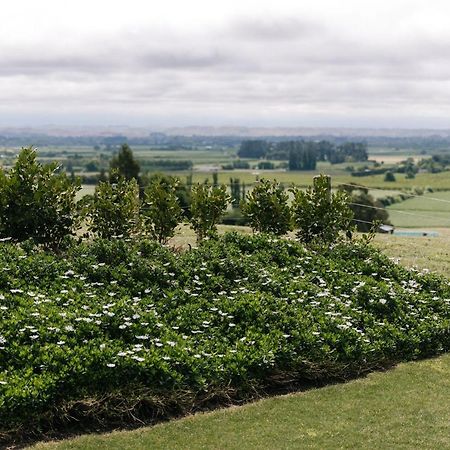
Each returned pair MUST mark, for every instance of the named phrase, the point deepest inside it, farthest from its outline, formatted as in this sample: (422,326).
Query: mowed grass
(405,407)
(402,408)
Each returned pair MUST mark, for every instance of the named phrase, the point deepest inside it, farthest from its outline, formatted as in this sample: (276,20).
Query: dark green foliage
(302,155)
(114,209)
(124,164)
(319,214)
(236,193)
(208,204)
(161,211)
(37,201)
(389,176)
(253,149)
(215,179)
(350,151)
(235,217)
(266,208)
(237,164)
(266,165)
(157,332)
(366,212)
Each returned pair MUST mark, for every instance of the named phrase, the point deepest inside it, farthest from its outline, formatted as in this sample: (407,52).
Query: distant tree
(266,165)
(235,188)
(215,179)
(366,210)
(102,176)
(124,164)
(389,176)
(253,149)
(302,156)
(91,166)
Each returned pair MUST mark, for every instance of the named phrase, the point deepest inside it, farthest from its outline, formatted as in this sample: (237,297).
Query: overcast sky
(354,63)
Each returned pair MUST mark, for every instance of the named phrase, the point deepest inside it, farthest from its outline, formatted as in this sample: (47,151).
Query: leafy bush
(114,209)
(208,204)
(37,202)
(319,214)
(266,208)
(161,210)
(389,176)
(119,331)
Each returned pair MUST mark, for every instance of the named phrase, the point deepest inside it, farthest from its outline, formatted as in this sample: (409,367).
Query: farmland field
(429,210)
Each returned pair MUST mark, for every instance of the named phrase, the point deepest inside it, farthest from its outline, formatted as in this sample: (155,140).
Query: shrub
(120,331)
(389,176)
(37,202)
(367,210)
(208,204)
(320,215)
(266,208)
(161,210)
(114,209)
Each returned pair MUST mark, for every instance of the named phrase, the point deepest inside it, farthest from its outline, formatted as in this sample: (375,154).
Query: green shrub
(114,331)
(320,215)
(266,208)
(114,209)
(161,210)
(37,202)
(208,204)
(389,176)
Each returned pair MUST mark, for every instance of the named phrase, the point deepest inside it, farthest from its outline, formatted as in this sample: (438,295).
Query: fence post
(316,184)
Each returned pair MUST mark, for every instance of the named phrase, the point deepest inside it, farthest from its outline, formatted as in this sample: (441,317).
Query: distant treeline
(303,155)
(169,142)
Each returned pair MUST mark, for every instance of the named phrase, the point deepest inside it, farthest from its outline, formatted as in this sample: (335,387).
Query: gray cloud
(283,66)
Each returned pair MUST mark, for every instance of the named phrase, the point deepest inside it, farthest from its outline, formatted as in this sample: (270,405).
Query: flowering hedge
(115,330)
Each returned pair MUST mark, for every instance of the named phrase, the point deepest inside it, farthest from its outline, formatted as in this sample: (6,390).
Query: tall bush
(267,209)
(161,209)
(37,201)
(114,209)
(208,204)
(320,215)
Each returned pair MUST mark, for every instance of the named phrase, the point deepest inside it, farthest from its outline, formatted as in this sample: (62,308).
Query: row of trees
(302,155)
(39,202)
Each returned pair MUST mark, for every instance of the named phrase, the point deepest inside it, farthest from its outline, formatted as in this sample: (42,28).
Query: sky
(164,63)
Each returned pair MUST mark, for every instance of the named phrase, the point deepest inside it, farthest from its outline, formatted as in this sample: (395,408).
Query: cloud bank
(287,65)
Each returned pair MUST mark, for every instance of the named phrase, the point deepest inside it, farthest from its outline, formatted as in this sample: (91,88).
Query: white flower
(111,365)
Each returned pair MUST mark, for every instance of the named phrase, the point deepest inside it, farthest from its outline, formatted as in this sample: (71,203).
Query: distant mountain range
(245,132)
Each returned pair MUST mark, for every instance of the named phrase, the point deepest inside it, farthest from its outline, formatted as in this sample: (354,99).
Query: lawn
(403,408)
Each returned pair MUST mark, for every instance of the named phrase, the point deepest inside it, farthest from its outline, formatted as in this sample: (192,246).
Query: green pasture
(428,210)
